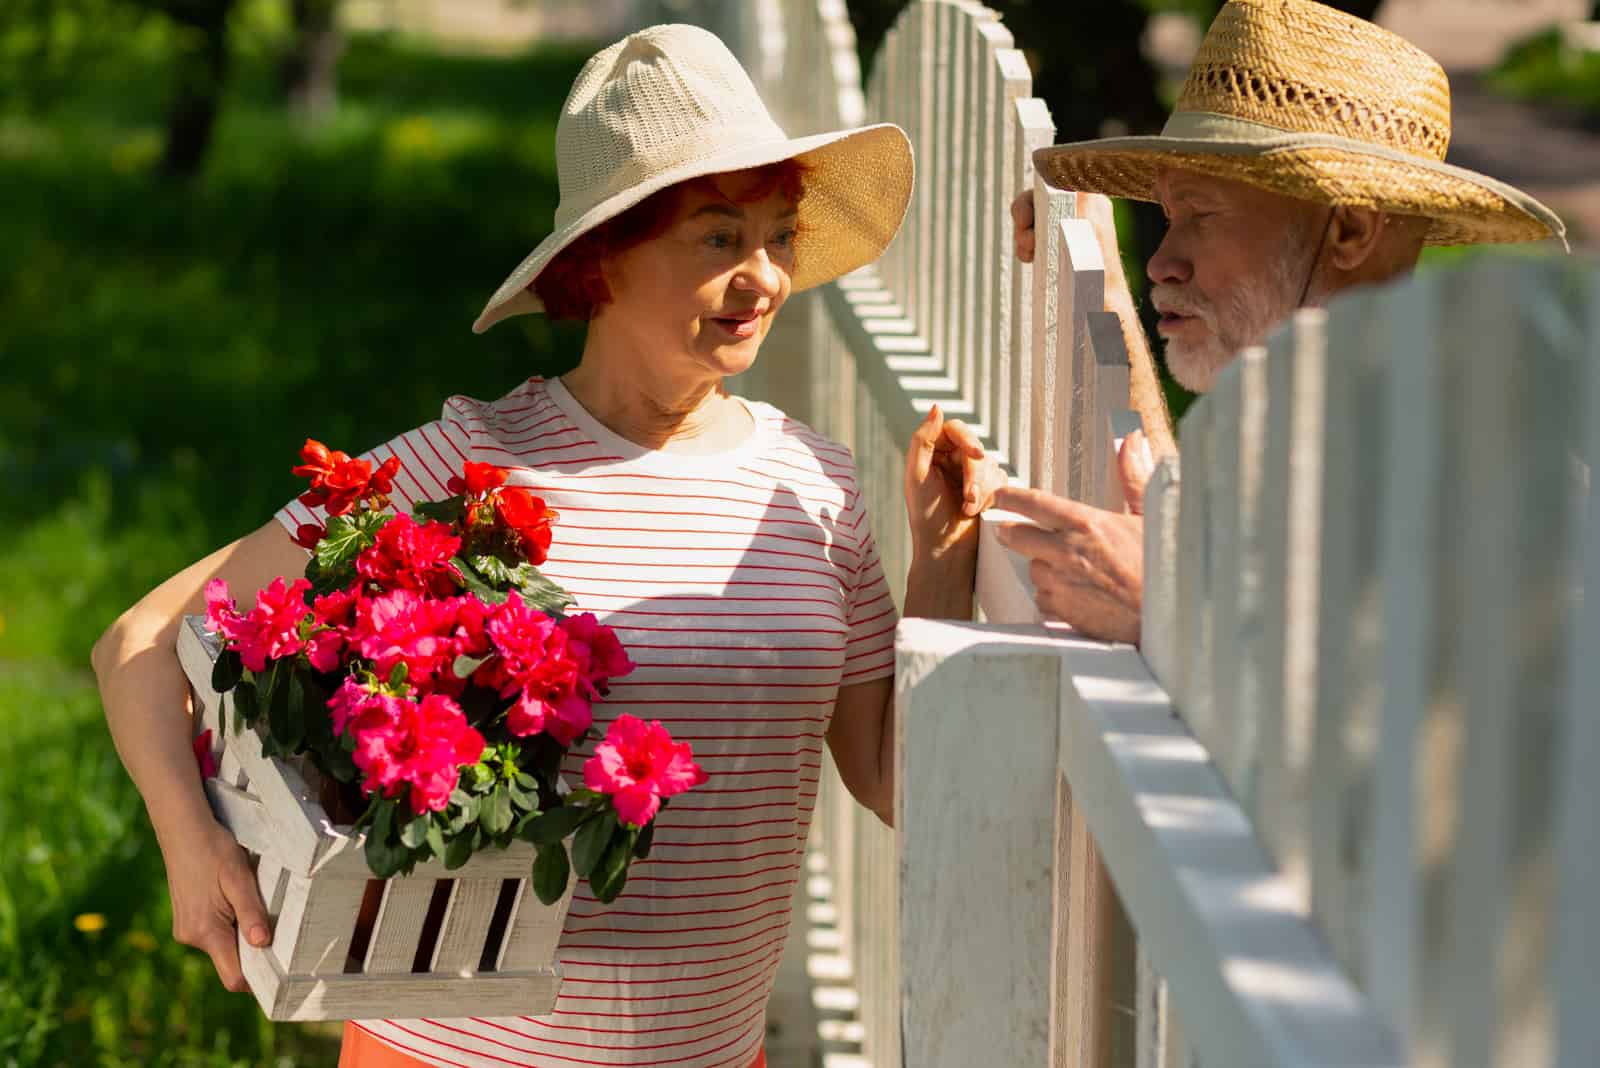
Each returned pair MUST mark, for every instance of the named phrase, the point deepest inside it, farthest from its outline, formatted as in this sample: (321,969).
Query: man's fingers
(1044,546)
(1135,464)
(1022,225)
(1043,508)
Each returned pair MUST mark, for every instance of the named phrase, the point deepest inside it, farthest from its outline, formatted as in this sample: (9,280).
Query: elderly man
(1304,157)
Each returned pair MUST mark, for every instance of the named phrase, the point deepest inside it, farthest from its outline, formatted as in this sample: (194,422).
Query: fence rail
(1338,808)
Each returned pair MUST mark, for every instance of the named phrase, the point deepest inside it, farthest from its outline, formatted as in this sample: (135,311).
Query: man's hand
(1087,564)
(1092,206)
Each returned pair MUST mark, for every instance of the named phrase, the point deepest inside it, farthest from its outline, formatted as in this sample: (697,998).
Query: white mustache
(1174,300)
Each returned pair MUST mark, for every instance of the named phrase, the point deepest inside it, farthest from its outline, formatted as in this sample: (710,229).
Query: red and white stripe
(746,587)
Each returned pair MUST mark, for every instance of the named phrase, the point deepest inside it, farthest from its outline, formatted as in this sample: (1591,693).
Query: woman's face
(701,296)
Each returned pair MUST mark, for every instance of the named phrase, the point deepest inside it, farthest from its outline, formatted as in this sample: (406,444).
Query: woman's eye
(722,239)
(784,238)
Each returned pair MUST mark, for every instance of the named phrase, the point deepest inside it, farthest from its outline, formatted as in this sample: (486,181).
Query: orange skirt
(361,1050)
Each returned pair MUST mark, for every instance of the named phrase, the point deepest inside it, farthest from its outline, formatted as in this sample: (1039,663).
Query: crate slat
(398,928)
(466,924)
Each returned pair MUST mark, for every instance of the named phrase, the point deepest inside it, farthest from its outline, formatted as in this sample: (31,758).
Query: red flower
(270,630)
(202,755)
(599,655)
(307,535)
(404,627)
(337,481)
(412,556)
(420,745)
(527,515)
(638,764)
(477,479)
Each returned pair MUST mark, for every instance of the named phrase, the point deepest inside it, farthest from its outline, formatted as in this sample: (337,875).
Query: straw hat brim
(857,188)
(1466,208)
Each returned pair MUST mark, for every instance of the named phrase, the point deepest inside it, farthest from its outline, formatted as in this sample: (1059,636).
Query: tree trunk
(311,67)
(202,74)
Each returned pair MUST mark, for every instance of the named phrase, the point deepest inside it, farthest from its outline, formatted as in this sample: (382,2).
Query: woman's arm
(948,481)
(146,699)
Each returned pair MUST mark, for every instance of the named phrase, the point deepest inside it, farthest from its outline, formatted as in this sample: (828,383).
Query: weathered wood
(1255,984)
(466,926)
(1103,403)
(956,859)
(1193,693)
(1081,292)
(1161,641)
(1050,358)
(398,928)
(1034,130)
(1016,82)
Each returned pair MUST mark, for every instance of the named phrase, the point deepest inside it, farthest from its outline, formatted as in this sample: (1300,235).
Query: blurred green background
(225,225)
(166,343)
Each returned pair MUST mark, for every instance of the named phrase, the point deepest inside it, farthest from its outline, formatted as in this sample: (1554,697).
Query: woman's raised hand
(949,480)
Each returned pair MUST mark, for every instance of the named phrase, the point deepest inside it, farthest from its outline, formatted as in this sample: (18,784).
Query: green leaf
(415,832)
(523,820)
(551,872)
(397,675)
(459,849)
(246,707)
(493,569)
(582,795)
(465,665)
(346,536)
(385,856)
(435,839)
(295,712)
(525,799)
(647,837)
(445,511)
(539,591)
(528,782)
(555,825)
(474,583)
(227,671)
(590,842)
(495,813)
(612,872)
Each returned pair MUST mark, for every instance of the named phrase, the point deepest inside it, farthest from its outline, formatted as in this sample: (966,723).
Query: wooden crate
(470,942)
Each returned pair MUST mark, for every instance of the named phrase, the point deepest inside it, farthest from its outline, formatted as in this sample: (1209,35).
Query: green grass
(1542,68)
(163,351)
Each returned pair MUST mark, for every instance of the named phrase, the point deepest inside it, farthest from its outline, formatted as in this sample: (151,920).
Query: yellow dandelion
(89,922)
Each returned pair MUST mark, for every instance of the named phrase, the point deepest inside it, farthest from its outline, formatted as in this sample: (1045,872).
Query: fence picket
(1105,401)
(1193,694)
(1010,288)
(1051,208)
(1161,640)
(1081,288)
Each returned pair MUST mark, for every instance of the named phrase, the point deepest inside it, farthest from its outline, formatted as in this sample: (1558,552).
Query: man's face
(1232,266)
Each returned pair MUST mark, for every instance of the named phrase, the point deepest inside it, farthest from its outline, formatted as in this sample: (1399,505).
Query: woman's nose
(760,275)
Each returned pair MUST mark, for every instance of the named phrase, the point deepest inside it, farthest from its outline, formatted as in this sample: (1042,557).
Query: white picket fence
(1340,808)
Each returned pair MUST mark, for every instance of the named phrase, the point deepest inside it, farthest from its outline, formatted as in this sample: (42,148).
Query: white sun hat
(671,103)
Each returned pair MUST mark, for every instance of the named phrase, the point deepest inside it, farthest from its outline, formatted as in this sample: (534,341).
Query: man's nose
(1167,266)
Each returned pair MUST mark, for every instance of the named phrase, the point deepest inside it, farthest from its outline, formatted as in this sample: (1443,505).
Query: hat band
(1210,126)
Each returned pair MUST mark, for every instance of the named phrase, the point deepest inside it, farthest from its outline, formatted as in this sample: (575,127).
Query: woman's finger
(924,443)
(244,897)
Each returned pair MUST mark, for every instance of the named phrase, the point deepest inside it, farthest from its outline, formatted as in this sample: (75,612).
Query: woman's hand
(214,898)
(949,480)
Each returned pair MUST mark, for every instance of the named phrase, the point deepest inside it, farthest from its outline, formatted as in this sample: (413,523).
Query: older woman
(725,542)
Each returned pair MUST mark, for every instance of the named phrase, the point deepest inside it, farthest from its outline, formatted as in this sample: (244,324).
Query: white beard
(1254,308)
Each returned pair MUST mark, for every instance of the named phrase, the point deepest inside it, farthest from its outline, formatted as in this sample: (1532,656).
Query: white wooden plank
(398,928)
(321,915)
(1081,292)
(466,926)
(1004,591)
(1051,352)
(1193,693)
(1349,631)
(1152,1014)
(993,221)
(1104,405)
(362,997)
(1255,984)
(1291,540)
(532,932)
(1409,551)
(955,860)
(1016,82)
(1034,130)
(1160,639)
(1520,409)
(1577,837)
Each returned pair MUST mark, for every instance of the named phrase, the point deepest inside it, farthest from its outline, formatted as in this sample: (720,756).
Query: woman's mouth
(740,327)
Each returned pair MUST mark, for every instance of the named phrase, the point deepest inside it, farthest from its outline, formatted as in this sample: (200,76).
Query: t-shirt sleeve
(870,613)
(429,456)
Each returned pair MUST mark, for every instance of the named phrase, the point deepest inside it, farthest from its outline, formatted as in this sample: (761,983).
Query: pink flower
(332,615)
(535,664)
(412,556)
(420,745)
(599,655)
(405,627)
(639,764)
(270,630)
(355,699)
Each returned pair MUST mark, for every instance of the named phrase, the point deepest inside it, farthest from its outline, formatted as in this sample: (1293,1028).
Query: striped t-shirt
(746,588)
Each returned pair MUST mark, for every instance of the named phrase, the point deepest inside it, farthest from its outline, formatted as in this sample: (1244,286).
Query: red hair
(573,285)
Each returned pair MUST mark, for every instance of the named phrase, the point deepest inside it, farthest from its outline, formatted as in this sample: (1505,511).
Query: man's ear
(1353,236)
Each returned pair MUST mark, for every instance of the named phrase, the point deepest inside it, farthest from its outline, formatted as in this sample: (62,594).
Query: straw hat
(671,103)
(1297,98)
